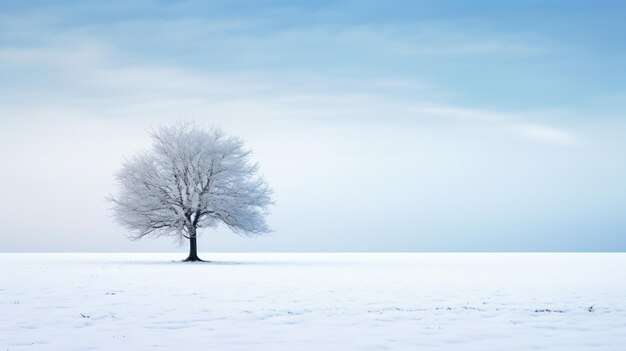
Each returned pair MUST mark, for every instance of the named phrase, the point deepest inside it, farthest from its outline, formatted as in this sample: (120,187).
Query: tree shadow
(209,263)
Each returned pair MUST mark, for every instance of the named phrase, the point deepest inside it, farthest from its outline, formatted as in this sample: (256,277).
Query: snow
(311,301)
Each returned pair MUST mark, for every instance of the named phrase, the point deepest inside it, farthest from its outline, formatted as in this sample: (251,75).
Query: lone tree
(190,179)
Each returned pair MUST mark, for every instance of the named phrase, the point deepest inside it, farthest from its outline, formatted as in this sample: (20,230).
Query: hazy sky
(382,126)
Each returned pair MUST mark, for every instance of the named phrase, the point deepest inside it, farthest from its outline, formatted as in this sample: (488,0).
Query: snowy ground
(313,302)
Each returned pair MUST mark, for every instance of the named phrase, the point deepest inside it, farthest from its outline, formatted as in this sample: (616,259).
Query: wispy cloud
(544,133)
(514,123)
(88,80)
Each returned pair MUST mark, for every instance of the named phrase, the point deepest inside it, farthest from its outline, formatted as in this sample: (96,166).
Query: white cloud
(88,82)
(544,133)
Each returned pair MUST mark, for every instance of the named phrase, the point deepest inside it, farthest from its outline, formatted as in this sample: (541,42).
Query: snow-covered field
(313,302)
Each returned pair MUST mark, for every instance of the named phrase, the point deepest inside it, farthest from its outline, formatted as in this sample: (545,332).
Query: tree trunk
(193,247)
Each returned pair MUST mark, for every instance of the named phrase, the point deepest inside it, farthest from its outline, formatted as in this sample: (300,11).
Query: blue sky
(382,126)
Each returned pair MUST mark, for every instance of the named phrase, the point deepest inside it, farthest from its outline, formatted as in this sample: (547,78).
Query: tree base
(193,259)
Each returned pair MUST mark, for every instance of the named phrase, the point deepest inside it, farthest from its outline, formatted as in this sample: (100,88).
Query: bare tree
(190,179)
